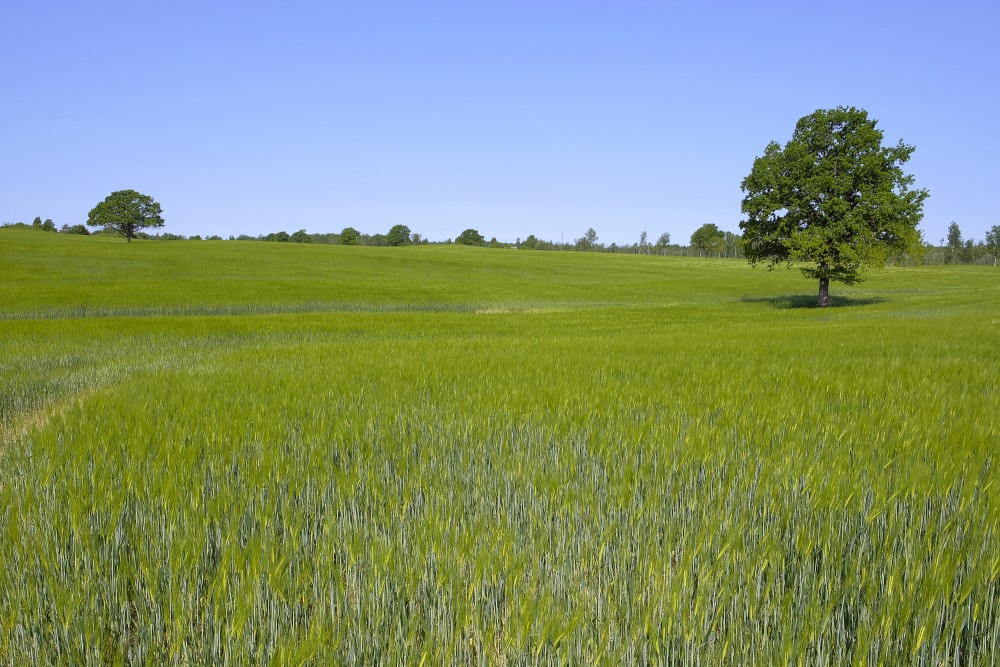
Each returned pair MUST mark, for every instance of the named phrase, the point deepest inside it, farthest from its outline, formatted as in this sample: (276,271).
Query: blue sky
(513,118)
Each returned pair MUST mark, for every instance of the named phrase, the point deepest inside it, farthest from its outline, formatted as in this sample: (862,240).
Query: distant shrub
(75,229)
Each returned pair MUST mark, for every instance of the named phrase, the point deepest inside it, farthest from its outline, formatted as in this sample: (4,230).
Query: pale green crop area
(245,453)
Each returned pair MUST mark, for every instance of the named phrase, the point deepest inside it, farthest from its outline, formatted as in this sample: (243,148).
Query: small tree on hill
(709,239)
(350,236)
(398,235)
(47,226)
(126,212)
(833,197)
(470,237)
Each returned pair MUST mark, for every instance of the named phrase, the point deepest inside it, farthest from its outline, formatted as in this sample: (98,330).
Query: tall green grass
(239,453)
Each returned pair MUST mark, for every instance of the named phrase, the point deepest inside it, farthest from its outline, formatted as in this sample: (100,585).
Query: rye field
(243,453)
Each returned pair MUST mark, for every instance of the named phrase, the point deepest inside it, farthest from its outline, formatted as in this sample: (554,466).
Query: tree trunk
(824,292)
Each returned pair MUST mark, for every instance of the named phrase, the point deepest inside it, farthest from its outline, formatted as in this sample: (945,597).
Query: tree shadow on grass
(787,301)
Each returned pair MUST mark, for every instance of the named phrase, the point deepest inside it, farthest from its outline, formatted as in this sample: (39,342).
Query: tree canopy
(470,237)
(709,238)
(126,212)
(350,236)
(301,236)
(47,226)
(398,235)
(833,197)
(588,241)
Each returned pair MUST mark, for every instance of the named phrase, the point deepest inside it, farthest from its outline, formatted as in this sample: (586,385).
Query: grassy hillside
(53,275)
(250,452)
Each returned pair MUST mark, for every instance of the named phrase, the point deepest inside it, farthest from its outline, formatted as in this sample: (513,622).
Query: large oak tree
(126,212)
(833,197)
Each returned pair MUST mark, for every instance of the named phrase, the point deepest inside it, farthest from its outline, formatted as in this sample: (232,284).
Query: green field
(253,453)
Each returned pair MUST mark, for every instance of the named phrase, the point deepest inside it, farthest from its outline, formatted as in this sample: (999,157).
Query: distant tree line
(953,249)
(398,235)
(706,241)
(715,244)
(37,224)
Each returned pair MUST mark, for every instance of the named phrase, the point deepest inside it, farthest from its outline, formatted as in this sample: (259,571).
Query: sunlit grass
(248,453)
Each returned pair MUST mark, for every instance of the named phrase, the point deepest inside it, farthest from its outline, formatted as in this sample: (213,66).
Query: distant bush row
(47,226)
(708,240)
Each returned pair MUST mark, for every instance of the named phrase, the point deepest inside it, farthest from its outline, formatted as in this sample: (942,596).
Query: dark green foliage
(954,243)
(37,224)
(300,236)
(471,237)
(833,197)
(709,239)
(126,212)
(588,241)
(993,242)
(398,235)
(954,236)
(75,229)
(969,252)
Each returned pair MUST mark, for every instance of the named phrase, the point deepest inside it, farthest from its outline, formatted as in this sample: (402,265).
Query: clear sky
(512,117)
